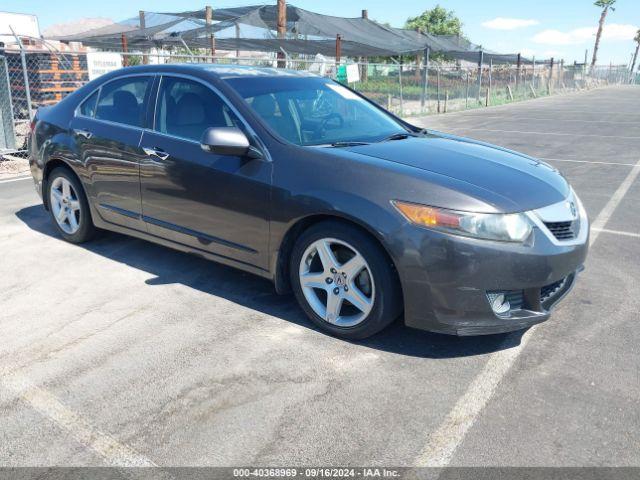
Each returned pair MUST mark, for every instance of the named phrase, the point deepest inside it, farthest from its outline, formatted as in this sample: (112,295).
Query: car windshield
(315,111)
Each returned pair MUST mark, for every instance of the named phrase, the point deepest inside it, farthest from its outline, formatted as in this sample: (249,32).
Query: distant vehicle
(303,181)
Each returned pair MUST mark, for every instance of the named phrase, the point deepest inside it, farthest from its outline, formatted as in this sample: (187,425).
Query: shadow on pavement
(170,266)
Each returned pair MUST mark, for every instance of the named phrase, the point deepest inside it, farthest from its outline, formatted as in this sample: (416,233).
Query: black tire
(387,302)
(86,230)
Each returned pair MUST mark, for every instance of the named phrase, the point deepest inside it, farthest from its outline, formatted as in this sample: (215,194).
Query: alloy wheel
(65,205)
(337,282)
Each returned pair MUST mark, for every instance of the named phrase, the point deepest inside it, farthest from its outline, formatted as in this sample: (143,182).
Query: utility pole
(338,48)
(208,18)
(282,30)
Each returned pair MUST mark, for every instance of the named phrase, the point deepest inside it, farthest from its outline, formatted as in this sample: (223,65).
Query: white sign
(99,63)
(353,73)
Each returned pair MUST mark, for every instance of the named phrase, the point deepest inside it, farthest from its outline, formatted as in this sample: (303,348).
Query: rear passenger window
(123,101)
(88,107)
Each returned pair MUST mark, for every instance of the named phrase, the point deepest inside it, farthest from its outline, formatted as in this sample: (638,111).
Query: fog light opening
(499,304)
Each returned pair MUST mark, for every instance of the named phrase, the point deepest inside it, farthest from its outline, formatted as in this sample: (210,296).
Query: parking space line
(115,453)
(635,165)
(442,444)
(556,134)
(613,122)
(15,179)
(618,232)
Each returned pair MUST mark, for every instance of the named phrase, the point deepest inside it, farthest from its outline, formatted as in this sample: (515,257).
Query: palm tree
(605,5)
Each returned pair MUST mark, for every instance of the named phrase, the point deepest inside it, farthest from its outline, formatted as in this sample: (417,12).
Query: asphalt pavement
(121,352)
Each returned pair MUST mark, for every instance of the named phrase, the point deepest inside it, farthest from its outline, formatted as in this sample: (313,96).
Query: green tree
(437,21)
(605,5)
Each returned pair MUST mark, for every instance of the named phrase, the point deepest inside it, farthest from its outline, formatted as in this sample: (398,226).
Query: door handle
(156,152)
(83,133)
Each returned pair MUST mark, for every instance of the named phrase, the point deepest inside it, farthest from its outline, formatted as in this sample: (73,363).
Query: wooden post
(550,79)
(518,67)
(446,100)
(143,25)
(364,74)
(338,48)
(561,73)
(282,30)
(509,92)
(208,18)
(125,49)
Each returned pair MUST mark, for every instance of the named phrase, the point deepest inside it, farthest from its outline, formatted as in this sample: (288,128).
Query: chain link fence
(32,79)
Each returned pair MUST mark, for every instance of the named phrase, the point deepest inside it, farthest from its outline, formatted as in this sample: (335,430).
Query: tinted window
(315,111)
(123,101)
(88,107)
(186,109)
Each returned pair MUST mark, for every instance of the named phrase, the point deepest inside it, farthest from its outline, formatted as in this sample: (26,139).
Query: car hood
(524,182)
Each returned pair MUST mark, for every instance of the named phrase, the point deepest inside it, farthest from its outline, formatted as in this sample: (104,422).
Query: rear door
(216,203)
(107,129)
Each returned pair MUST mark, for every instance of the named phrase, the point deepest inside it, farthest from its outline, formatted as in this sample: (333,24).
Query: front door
(215,203)
(108,129)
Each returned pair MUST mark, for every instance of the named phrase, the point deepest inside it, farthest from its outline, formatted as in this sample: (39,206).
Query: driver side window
(187,108)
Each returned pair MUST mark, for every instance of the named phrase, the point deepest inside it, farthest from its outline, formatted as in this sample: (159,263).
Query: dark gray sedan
(301,180)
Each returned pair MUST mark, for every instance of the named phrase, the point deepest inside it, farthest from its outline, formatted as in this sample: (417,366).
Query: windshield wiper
(399,136)
(349,144)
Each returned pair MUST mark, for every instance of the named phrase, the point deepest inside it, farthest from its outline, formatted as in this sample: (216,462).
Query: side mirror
(228,141)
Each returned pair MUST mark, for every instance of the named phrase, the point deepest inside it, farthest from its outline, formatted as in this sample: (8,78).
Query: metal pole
(466,98)
(400,79)
(490,81)
(533,73)
(23,60)
(438,88)
(480,61)
(425,83)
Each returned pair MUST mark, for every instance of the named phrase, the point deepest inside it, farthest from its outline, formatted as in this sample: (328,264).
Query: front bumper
(445,279)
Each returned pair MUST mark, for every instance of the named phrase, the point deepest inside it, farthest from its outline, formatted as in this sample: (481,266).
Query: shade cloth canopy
(254,28)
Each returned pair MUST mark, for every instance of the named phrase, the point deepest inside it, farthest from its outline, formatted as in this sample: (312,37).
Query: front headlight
(506,227)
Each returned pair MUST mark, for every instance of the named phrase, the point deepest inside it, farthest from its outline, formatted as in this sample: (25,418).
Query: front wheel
(344,281)
(68,206)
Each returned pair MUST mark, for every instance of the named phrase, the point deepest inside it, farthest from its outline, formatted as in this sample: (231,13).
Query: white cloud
(612,31)
(501,23)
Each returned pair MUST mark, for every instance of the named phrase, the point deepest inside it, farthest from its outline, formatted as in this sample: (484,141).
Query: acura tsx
(299,179)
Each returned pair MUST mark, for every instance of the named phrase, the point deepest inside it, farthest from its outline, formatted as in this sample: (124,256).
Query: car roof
(221,71)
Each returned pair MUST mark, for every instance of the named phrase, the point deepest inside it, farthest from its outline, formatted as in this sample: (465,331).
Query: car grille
(563,230)
(550,291)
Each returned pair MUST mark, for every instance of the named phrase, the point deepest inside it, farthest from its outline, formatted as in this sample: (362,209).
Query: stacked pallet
(51,76)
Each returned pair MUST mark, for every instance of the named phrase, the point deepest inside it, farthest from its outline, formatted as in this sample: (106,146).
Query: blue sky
(545,28)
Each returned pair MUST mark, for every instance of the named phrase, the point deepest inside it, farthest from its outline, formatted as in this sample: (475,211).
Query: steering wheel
(328,118)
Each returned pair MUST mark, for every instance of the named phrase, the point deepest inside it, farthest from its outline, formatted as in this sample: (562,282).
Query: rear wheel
(68,206)
(344,281)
